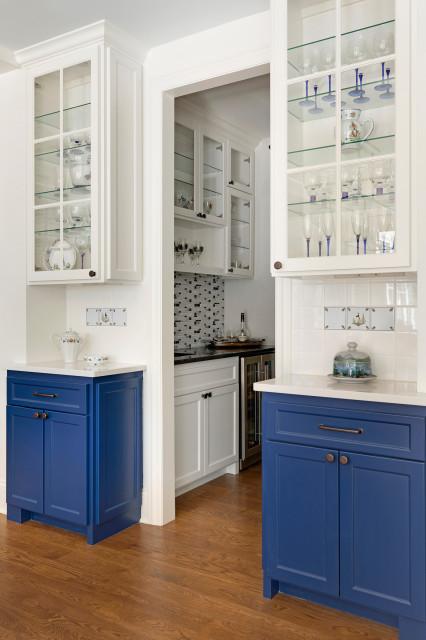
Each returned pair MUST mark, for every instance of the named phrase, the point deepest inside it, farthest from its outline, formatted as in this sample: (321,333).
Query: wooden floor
(198,578)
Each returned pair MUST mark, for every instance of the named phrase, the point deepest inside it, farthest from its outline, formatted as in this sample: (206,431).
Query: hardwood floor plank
(198,578)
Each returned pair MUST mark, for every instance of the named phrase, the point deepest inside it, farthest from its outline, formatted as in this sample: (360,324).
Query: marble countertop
(205,353)
(390,391)
(79,368)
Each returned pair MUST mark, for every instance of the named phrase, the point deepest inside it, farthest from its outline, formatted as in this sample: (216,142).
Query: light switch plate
(358,318)
(106,317)
(335,318)
(382,318)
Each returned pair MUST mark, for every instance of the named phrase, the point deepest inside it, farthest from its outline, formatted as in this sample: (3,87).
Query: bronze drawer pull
(357,432)
(36,394)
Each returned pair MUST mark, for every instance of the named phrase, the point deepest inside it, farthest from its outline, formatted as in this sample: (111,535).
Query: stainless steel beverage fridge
(252,369)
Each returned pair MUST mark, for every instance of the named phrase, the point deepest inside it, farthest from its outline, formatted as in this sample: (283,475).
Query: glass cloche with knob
(352,364)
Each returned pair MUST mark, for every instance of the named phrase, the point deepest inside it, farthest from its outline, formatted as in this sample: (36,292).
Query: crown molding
(101,32)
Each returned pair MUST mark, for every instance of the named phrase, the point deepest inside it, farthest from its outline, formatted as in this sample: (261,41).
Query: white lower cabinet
(206,422)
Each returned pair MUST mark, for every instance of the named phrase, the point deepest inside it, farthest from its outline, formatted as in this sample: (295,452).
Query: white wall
(12,254)
(257,296)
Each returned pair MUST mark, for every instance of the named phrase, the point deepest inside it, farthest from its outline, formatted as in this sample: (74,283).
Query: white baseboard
(204,480)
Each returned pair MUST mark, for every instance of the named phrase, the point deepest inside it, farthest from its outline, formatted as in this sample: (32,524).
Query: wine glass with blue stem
(362,98)
(316,110)
(306,102)
(329,97)
(388,94)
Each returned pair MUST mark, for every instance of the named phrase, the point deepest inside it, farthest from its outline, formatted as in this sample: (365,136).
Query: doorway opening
(223,293)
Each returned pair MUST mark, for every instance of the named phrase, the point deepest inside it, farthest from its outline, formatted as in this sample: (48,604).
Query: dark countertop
(204,353)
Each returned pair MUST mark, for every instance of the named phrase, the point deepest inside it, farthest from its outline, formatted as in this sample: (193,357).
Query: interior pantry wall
(256,296)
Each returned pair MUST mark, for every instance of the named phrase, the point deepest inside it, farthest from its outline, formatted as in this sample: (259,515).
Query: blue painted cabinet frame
(74,451)
(342,525)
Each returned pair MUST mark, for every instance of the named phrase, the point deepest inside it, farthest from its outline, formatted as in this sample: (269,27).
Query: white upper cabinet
(240,168)
(340,136)
(84,168)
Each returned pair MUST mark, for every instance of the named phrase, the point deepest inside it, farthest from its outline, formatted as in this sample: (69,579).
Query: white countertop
(79,368)
(391,391)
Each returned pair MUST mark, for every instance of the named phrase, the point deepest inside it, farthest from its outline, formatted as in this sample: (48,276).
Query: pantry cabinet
(84,158)
(341,104)
(213,199)
(206,421)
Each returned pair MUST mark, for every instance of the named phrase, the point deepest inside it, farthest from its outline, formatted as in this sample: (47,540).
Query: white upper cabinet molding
(84,157)
(341,107)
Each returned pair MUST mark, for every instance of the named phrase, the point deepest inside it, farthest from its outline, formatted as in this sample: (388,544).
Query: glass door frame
(98,119)
(279,125)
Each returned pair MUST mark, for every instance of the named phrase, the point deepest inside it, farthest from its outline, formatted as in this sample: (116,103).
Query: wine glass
(355,92)
(383,86)
(82,242)
(388,94)
(308,231)
(357,225)
(316,110)
(306,102)
(365,230)
(384,225)
(329,97)
(379,174)
(328,54)
(327,226)
(357,48)
(312,183)
(384,43)
(198,250)
(350,181)
(362,98)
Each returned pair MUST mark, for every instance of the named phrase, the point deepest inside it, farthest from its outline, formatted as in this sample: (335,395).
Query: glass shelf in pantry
(187,181)
(308,58)
(70,115)
(186,155)
(69,194)
(376,99)
(371,41)
(369,202)
(216,193)
(306,208)
(239,221)
(377,85)
(239,246)
(209,170)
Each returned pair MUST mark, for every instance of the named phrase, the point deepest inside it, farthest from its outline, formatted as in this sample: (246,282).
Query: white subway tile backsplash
(382,293)
(358,294)
(406,294)
(406,319)
(334,294)
(393,353)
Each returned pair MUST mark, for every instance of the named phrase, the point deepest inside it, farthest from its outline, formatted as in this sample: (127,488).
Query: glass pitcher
(353,130)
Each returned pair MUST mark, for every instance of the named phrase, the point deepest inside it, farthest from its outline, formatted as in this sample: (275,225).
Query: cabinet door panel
(300,516)
(118,447)
(221,434)
(189,438)
(66,472)
(24,459)
(382,534)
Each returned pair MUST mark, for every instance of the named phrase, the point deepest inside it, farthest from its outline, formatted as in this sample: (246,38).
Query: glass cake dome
(352,363)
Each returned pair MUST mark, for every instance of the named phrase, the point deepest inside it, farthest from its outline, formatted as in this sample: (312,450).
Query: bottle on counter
(243,336)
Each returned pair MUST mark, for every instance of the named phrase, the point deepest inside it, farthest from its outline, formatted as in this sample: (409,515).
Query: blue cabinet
(74,457)
(342,525)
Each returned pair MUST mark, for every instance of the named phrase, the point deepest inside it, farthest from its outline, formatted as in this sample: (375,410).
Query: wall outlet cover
(358,318)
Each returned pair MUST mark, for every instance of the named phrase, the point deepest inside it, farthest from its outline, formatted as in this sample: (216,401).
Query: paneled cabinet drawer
(355,429)
(47,391)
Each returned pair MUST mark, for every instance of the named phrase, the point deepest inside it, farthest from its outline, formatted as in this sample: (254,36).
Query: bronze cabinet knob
(44,415)
(330,457)
(278,265)
(344,460)
(36,414)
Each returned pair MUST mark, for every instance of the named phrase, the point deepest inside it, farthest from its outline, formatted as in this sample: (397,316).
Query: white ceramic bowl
(95,359)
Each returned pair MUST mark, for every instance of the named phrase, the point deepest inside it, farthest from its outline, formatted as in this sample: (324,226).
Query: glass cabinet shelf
(357,150)
(76,117)
(369,202)
(69,193)
(54,156)
(305,208)
(65,228)
(368,42)
(376,99)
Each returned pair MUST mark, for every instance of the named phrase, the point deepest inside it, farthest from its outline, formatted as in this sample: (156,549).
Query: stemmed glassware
(327,226)
(350,181)
(82,242)
(308,231)
(365,230)
(380,173)
(329,97)
(313,182)
(315,110)
(388,94)
(198,249)
(383,86)
(356,221)
(306,102)
(362,97)
(181,249)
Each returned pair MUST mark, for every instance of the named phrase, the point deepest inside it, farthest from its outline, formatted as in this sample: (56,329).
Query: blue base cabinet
(344,507)
(74,451)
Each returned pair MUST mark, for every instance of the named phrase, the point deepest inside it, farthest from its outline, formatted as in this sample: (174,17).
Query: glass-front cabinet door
(341,112)
(63,234)
(213,179)
(240,168)
(185,170)
(240,208)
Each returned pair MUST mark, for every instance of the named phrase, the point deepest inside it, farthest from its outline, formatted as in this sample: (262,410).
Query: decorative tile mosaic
(199,309)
